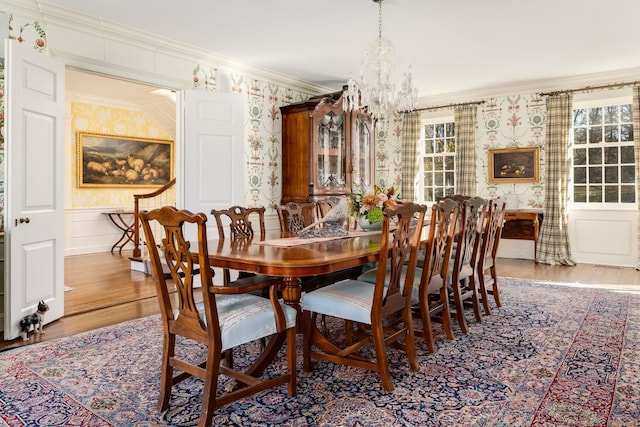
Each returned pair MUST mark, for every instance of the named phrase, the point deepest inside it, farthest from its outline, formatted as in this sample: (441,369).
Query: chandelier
(375,90)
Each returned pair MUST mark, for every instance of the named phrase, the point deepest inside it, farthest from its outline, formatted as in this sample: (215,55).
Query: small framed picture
(514,165)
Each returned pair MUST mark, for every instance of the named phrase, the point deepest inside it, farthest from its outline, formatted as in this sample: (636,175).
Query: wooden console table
(125,226)
(523,224)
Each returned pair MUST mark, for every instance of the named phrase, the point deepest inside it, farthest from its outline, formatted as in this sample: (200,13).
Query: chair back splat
(378,314)
(220,317)
(432,294)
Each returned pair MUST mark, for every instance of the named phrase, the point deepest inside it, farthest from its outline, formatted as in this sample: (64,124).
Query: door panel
(213,152)
(34,192)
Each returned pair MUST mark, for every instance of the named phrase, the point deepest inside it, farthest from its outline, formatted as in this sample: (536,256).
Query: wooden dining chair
(462,277)
(220,317)
(238,220)
(369,307)
(488,253)
(294,216)
(431,290)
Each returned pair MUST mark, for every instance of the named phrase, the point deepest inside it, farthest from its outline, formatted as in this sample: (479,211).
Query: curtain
(410,140)
(465,122)
(553,243)
(636,138)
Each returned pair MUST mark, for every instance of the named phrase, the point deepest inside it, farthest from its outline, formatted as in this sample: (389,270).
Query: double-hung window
(438,159)
(603,155)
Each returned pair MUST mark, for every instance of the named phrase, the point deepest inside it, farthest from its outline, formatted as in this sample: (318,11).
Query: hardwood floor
(105,291)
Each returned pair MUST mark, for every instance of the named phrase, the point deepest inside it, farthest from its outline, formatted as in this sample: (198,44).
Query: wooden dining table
(292,258)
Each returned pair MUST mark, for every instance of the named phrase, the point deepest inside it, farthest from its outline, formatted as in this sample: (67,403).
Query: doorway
(103,104)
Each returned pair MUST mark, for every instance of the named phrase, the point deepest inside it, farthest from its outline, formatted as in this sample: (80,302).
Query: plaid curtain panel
(465,122)
(410,139)
(553,243)
(636,139)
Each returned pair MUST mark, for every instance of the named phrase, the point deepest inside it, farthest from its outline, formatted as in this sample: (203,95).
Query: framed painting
(514,165)
(123,161)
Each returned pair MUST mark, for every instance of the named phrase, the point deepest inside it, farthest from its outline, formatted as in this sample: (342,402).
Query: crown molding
(48,14)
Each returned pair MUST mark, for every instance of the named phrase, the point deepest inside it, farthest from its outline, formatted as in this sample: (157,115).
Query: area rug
(552,355)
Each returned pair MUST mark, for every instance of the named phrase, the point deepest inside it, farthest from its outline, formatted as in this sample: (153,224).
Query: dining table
(292,258)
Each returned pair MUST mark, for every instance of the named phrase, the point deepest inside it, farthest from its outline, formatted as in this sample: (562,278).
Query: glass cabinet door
(362,152)
(331,150)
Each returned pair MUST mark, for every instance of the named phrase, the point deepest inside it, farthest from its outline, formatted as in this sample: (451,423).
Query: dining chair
(431,292)
(489,252)
(462,275)
(238,220)
(220,317)
(370,307)
(294,216)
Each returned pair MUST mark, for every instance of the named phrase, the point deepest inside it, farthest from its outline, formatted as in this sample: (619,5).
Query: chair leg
(166,376)
(210,389)
(427,330)
(475,299)
(291,361)
(377,335)
(457,297)
(496,292)
(410,339)
(483,291)
(446,313)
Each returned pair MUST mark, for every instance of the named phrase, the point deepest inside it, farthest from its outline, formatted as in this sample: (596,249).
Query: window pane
(437,193)
(439,145)
(611,174)
(611,194)
(580,194)
(451,145)
(580,136)
(626,113)
(580,156)
(440,130)
(595,116)
(627,174)
(428,164)
(437,163)
(595,135)
(428,131)
(611,114)
(628,193)
(579,117)
(611,155)
(595,194)
(595,156)
(595,175)
(626,154)
(626,133)
(428,146)
(438,179)
(580,175)
(611,133)
(449,179)
(428,195)
(428,179)
(449,163)
(450,129)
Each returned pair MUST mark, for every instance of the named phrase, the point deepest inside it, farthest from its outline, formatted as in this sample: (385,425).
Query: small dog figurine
(34,320)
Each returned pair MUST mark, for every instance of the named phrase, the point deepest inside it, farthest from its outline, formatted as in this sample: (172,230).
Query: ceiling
(453,45)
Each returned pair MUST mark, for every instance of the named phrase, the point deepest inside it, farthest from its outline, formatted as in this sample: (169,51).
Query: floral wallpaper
(510,122)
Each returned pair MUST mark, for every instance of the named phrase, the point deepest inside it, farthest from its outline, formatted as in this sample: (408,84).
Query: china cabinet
(325,149)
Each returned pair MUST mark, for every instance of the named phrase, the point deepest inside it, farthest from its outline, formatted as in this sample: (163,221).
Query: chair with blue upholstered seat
(381,312)
(220,317)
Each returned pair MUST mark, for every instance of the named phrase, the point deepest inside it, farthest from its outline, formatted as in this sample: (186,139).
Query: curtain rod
(582,89)
(460,104)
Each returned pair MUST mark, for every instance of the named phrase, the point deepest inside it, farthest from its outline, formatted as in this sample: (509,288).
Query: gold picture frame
(514,165)
(123,161)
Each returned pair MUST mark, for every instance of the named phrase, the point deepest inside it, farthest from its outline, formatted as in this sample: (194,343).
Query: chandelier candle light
(375,90)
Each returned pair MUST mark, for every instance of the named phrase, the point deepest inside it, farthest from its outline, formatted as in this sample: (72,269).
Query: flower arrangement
(370,202)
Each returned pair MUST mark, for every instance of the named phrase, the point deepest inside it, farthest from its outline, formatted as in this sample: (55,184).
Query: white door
(213,152)
(34,191)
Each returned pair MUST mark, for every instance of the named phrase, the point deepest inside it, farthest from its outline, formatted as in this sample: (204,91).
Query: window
(438,153)
(603,155)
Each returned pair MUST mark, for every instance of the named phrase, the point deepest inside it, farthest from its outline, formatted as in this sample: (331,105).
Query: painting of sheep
(114,161)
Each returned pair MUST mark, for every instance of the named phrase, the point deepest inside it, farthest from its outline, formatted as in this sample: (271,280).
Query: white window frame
(594,100)
(429,118)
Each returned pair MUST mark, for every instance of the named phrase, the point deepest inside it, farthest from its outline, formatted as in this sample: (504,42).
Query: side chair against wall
(463,278)
(294,216)
(431,292)
(370,307)
(489,252)
(221,317)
